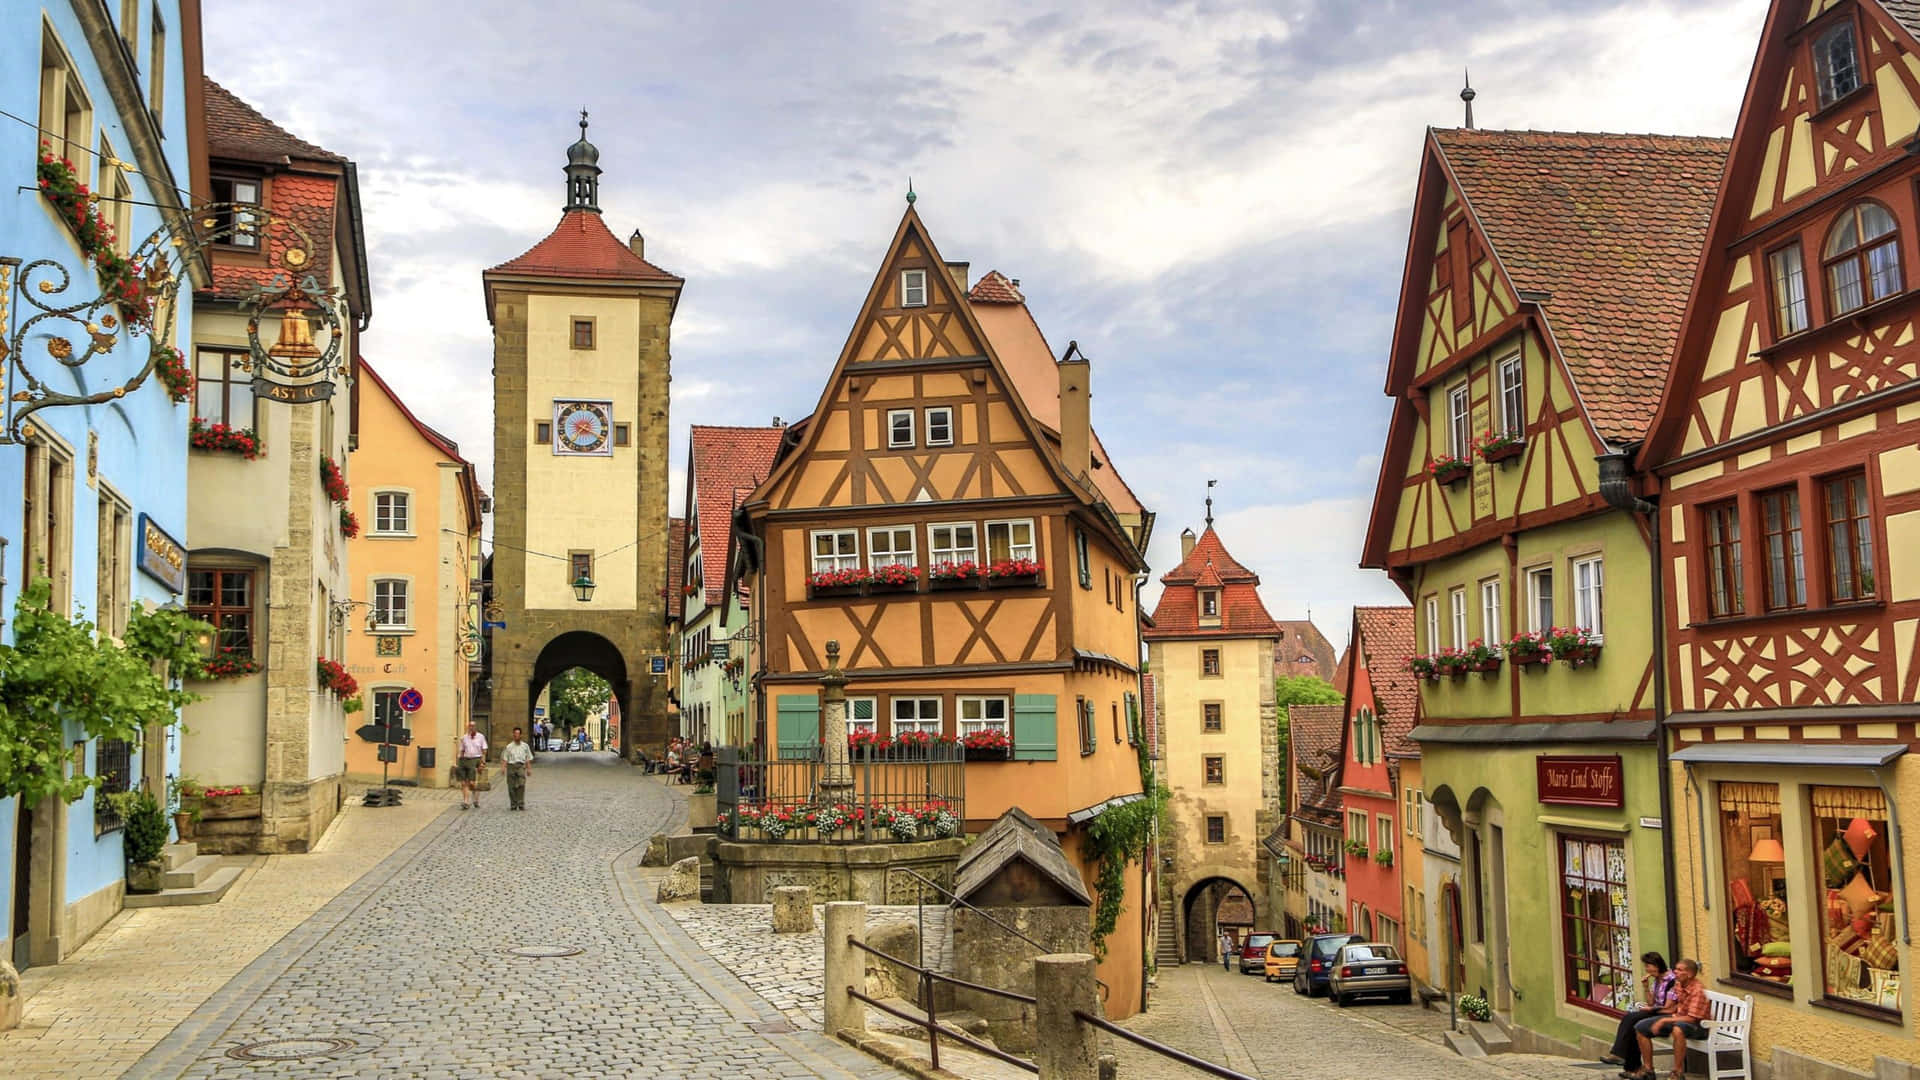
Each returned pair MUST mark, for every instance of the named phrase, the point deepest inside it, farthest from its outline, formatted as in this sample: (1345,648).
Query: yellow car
(1283,956)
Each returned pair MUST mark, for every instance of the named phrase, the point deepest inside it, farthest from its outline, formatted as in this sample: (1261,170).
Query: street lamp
(201,637)
(583,587)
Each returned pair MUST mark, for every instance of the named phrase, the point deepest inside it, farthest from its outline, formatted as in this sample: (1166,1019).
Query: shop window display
(1859,956)
(1754,863)
(1596,923)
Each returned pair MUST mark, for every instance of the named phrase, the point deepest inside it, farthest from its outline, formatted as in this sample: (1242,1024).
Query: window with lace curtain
(1596,923)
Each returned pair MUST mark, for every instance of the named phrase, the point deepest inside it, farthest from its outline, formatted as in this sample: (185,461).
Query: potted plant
(1577,645)
(1010,573)
(987,744)
(1384,856)
(1481,657)
(913,744)
(349,523)
(1497,446)
(221,438)
(146,837)
(333,677)
(1424,666)
(1447,469)
(183,802)
(1475,1007)
(334,480)
(1451,663)
(702,807)
(1529,649)
(1357,847)
(895,577)
(846,582)
(960,575)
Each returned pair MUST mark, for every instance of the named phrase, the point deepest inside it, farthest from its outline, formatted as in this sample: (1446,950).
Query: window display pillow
(1860,899)
(1880,953)
(1838,863)
(1859,835)
(1777,948)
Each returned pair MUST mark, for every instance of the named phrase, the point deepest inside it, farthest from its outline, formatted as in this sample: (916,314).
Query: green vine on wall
(1117,837)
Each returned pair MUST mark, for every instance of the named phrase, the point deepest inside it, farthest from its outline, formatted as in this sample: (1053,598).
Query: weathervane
(910,195)
(1467,95)
(1210,484)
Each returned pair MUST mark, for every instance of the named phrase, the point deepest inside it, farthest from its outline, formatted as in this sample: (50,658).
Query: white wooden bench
(1727,1030)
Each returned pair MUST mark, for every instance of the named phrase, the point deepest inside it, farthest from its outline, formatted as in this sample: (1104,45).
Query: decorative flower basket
(1447,469)
(333,678)
(961,575)
(1475,1008)
(1014,573)
(1424,666)
(1574,644)
(1529,650)
(349,523)
(838,582)
(219,438)
(119,277)
(1480,658)
(987,744)
(1497,446)
(170,367)
(1450,662)
(334,480)
(899,577)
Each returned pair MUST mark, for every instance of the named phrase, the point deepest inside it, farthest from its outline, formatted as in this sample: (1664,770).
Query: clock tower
(581,331)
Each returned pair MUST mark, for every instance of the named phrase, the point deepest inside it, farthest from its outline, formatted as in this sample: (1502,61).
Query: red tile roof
(728,463)
(1609,228)
(1209,566)
(1384,636)
(1303,650)
(995,288)
(237,130)
(676,566)
(1313,738)
(582,246)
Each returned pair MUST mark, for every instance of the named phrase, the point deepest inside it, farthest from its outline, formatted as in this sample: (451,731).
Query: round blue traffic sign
(411,700)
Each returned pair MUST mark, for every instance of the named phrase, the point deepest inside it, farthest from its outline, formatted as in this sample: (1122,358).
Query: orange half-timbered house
(947,515)
(1545,277)
(1785,457)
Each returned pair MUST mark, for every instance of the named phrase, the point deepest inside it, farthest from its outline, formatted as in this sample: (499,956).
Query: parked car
(555,744)
(1369,967)
(1310,975)
(1253,953)
(1283,955)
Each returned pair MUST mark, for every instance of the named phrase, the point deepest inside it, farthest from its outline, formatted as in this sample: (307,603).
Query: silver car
(1369,967)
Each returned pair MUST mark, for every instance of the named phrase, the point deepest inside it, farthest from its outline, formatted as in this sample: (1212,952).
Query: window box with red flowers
(1447,469)
(1425,666)
(334,480)
(960,575)
(1012,573)
(1576,645)
(1480,658)
(335,680)
(221,439)
(868,743)
(987,744)
(228,803)
(349,523)
(170,367)
(1498,446)
(848,582)
(1529,650)
(896,577)
(119,277)
(230,662)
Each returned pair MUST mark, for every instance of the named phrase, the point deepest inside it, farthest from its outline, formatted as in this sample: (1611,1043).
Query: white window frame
(1460,421)
(940,416)
(1535,575)
(1359,816)
(374,694)
(913,288)
(896,439)
(1492,626)
(1383,833)
(406,512)
(872,721)
(383,608)
(953,551)
(1457,608)
(1209,603)
(1589,593)
(893,556)
(1433,622)
(917,717)
(982,706)
(838,559)
(1410,809)
(1029,550)
(1513,395)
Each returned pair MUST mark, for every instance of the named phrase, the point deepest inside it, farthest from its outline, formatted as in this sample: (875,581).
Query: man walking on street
(473,756)
(517,756)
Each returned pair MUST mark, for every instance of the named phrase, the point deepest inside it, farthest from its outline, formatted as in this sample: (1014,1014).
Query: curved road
(406,973)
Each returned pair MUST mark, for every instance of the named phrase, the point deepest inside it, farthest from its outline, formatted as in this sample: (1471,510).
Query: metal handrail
(937,976)
(934,1031)
(1105,990)
(1160,1048)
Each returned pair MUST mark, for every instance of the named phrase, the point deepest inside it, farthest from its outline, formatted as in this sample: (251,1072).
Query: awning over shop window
(1853,755)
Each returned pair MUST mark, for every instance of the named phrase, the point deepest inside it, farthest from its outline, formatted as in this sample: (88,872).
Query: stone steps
(1491,1037)
(1463,1044)
(207,891)
(190,874)
(1166,950)
(178,855)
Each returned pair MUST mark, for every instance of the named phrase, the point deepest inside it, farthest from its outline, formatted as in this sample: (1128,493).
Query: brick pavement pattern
(411,965)
(149,969)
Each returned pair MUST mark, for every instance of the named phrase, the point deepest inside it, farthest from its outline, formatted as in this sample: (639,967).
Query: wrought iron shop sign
(162,558)
(1581,781)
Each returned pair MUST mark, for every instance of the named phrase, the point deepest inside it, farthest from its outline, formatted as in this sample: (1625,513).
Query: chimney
(1076,425)
(958,271)
(637,244)
(1187,540)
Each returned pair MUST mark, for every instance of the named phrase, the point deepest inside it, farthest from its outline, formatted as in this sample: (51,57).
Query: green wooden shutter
(1034,727)
(797,726)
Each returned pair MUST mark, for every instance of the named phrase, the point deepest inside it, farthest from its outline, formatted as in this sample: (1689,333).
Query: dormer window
(1836,66)
(913,288)
(1210,603)
(1862,258)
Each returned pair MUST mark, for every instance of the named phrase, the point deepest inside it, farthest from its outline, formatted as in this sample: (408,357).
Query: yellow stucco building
(417,506)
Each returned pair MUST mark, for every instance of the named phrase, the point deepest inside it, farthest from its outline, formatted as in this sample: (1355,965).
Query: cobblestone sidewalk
(149,969)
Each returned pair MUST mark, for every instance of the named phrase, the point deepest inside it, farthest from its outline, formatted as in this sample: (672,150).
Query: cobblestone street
(1267,1030)
(406,974)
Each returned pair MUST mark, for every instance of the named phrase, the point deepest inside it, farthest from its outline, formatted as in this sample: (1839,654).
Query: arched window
(1862,258)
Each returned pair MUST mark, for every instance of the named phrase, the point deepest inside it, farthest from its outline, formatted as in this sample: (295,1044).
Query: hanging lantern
(583,588)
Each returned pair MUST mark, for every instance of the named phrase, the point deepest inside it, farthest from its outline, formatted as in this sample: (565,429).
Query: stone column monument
(836,778)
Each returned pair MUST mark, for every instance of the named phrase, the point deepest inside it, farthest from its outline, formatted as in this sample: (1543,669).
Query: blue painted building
(89,491)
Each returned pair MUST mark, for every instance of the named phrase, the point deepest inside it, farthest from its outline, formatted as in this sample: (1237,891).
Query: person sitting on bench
(1681,1019)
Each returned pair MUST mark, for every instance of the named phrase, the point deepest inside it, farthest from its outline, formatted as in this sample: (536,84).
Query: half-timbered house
(948,516)
(1786,460)
(1544,280)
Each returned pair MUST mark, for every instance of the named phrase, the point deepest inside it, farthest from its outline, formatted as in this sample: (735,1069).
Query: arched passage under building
(587,650)
(1210,906)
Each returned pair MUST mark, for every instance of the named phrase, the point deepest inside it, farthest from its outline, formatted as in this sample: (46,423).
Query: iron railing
(930,1021)
(886,797)
(1160,1048)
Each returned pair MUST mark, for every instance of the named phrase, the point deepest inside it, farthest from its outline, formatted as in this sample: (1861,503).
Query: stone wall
(745,873)
(987,954)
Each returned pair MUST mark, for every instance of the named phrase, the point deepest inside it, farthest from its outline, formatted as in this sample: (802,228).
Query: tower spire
(1467,95)
(583,172)
(1210,484)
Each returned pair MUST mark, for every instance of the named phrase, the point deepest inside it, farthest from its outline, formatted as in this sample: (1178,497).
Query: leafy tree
(58,673)
(575,695)
(1303,690)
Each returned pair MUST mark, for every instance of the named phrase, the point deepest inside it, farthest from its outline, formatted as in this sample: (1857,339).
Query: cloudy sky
(1212,197)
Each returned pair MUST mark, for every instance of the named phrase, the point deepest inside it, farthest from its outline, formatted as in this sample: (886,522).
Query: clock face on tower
(583,428)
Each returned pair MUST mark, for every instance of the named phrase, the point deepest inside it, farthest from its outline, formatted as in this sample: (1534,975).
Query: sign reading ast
(298,394)
(161,556)
(1581,781)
